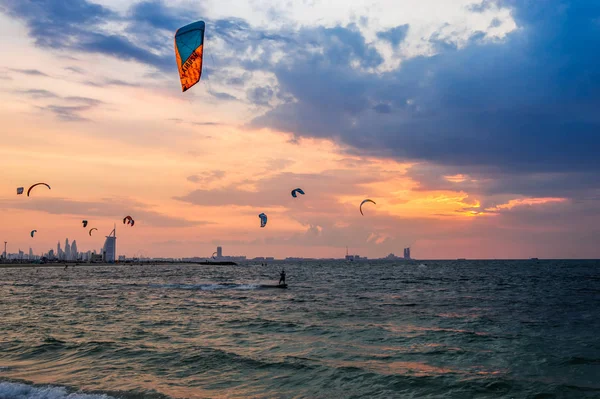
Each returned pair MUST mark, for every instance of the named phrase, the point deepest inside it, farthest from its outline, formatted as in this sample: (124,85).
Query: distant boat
(533,259)
(461,259)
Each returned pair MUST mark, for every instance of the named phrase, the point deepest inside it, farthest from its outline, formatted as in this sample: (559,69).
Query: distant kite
(129,220)
(362,203)
(37,184)
(297,191)
(33,232)
(92,229)
(20,190)
(189,48)
(263,219)
(85,222)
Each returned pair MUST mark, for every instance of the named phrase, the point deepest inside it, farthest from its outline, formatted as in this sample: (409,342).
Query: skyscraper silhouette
(67,250)
(109,251)
(74,250)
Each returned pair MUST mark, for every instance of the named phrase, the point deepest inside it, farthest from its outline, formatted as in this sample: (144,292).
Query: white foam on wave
(14,390)
(247,287)
(206,287)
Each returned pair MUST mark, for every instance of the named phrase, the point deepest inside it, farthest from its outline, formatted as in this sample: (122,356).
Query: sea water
(432,329)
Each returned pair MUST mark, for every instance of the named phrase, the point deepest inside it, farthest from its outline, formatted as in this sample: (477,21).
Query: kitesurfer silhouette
(282,277)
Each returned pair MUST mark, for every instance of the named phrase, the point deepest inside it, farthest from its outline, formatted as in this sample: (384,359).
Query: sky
(472,124)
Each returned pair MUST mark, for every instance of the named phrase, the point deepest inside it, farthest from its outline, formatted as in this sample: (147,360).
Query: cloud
(68,109)
(279,164)
(76,70)
(158,15)
(68,113)
(383,108)
(491,182)
(394,36)
(38,93)
(483,6)
(208,177)
(260,95)
(222,96)
(109,208)
(30,72)
(179,120)
(521,107)
(238,79)
(206,123)
(122,48)
(142,34)
(525,202)
(79,25)
(110,82)
(274,191)
(91,102)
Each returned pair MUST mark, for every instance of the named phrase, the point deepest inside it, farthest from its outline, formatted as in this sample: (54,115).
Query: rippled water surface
(489,329)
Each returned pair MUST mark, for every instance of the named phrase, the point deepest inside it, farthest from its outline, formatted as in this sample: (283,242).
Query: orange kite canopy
(189,44)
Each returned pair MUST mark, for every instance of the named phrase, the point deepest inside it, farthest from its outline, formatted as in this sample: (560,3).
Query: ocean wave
(582,360)
(23,390)
(444,331)
(15,390)
(206,287)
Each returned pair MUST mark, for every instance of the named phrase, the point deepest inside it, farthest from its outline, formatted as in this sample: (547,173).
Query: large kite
(37,184)
(189,45)
(362,203)
(263,219)
(128,220)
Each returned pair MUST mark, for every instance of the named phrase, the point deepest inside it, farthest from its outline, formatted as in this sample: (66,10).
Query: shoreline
(85,264)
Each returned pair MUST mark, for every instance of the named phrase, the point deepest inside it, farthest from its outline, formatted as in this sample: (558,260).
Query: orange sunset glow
(115,136)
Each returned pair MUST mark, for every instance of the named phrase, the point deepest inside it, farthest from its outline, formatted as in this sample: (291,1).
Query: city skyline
(471,124)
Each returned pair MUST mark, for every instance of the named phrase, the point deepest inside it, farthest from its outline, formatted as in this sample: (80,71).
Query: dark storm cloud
(146,36)
(525,105)
(395,35)
(79,25)
(494,183)
(158,15)
(54,24)
(260,95)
